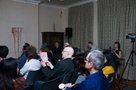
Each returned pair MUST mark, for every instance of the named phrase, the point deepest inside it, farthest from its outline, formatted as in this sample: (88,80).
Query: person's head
(66,44)
(67,52)
(57,44)
(110,61)
(27,44)
(44,45)
(90,44)
(4,51)
(44,49)
(94,61)
(117,45)
(8,72)
(31,52)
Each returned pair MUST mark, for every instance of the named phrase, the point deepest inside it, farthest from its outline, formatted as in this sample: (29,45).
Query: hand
(43,63)
(68,85)
(48,63)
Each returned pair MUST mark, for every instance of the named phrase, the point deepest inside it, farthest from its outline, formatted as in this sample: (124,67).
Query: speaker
(68,32)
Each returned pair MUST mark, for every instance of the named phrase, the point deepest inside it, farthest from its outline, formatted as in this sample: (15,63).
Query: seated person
(110,65)
(92,47)
(66,45)
(31,63)
(117,50)
(8,75)
(45,49)
(23,57)
(96,80)
(61,69)
(3,52)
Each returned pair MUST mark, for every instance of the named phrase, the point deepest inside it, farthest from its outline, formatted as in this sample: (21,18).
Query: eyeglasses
(64,51)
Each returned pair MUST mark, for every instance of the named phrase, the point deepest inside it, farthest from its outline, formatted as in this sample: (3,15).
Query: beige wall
(14,14)
(95,27)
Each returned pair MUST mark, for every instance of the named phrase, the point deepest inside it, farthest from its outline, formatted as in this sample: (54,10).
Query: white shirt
(32,65)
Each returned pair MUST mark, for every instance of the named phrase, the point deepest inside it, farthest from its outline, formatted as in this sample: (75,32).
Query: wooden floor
(122,84)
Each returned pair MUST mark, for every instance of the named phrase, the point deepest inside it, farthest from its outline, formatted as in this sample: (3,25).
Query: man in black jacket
(62,67)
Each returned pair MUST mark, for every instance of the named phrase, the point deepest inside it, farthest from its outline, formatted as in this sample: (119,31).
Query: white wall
(14,14)
(50,16)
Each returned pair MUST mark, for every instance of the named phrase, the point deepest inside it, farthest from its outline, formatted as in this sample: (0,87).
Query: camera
(131,36)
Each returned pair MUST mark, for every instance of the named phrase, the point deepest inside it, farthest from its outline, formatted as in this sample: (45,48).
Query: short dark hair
(4,51)
(8,72)
(30,52)
(27,44)
(118,44)
(45,49)
(90,42)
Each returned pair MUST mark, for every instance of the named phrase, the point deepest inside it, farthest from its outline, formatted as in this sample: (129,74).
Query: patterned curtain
(117,18)
(80,18)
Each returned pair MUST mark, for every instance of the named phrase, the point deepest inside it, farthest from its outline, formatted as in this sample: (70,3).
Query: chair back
(74,76)
(51,84)
(66,78)
(33,76)
(110,77)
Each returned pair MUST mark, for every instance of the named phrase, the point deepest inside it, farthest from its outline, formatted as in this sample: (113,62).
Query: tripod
(131,62)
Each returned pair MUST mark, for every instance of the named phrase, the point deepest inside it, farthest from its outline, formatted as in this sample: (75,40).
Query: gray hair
(98,59)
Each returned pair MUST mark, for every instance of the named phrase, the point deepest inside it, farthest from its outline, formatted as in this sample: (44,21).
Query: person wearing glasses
(62,68)
(96,80)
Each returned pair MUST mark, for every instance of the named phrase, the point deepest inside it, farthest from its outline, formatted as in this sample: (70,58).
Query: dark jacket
(62,68)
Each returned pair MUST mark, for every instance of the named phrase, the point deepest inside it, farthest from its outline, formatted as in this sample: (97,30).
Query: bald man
(62,68)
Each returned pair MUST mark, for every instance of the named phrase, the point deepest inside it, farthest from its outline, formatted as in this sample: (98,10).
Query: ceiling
(60,3)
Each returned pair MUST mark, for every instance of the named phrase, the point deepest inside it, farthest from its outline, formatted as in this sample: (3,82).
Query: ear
(90,64)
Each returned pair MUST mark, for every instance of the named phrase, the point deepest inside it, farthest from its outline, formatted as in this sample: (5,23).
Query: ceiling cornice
(54,6)
(29,1)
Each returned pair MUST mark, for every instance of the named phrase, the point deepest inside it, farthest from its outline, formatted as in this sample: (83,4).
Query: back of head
(27,44)
(45,49)
(8,72)
(70,50)
(31,52)
(97,58)
(4,51)
(110,59)
(90,43)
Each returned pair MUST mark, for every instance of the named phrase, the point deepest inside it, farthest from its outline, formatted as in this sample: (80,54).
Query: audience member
(23,57)
(66,45)
(61,69)
(31,63)
(45,49)
(8,75)
(96,80)
(92,47)
(110,65)
(57,49)
(3,52)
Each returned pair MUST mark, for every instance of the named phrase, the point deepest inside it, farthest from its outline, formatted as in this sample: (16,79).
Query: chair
(74,76)
(129,89)
(66,78)
(51,84)
(25,88)
(110,79)
(32,77)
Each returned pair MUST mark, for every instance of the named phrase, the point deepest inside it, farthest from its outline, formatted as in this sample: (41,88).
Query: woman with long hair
(8,75)
(110,65)
(117,50)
